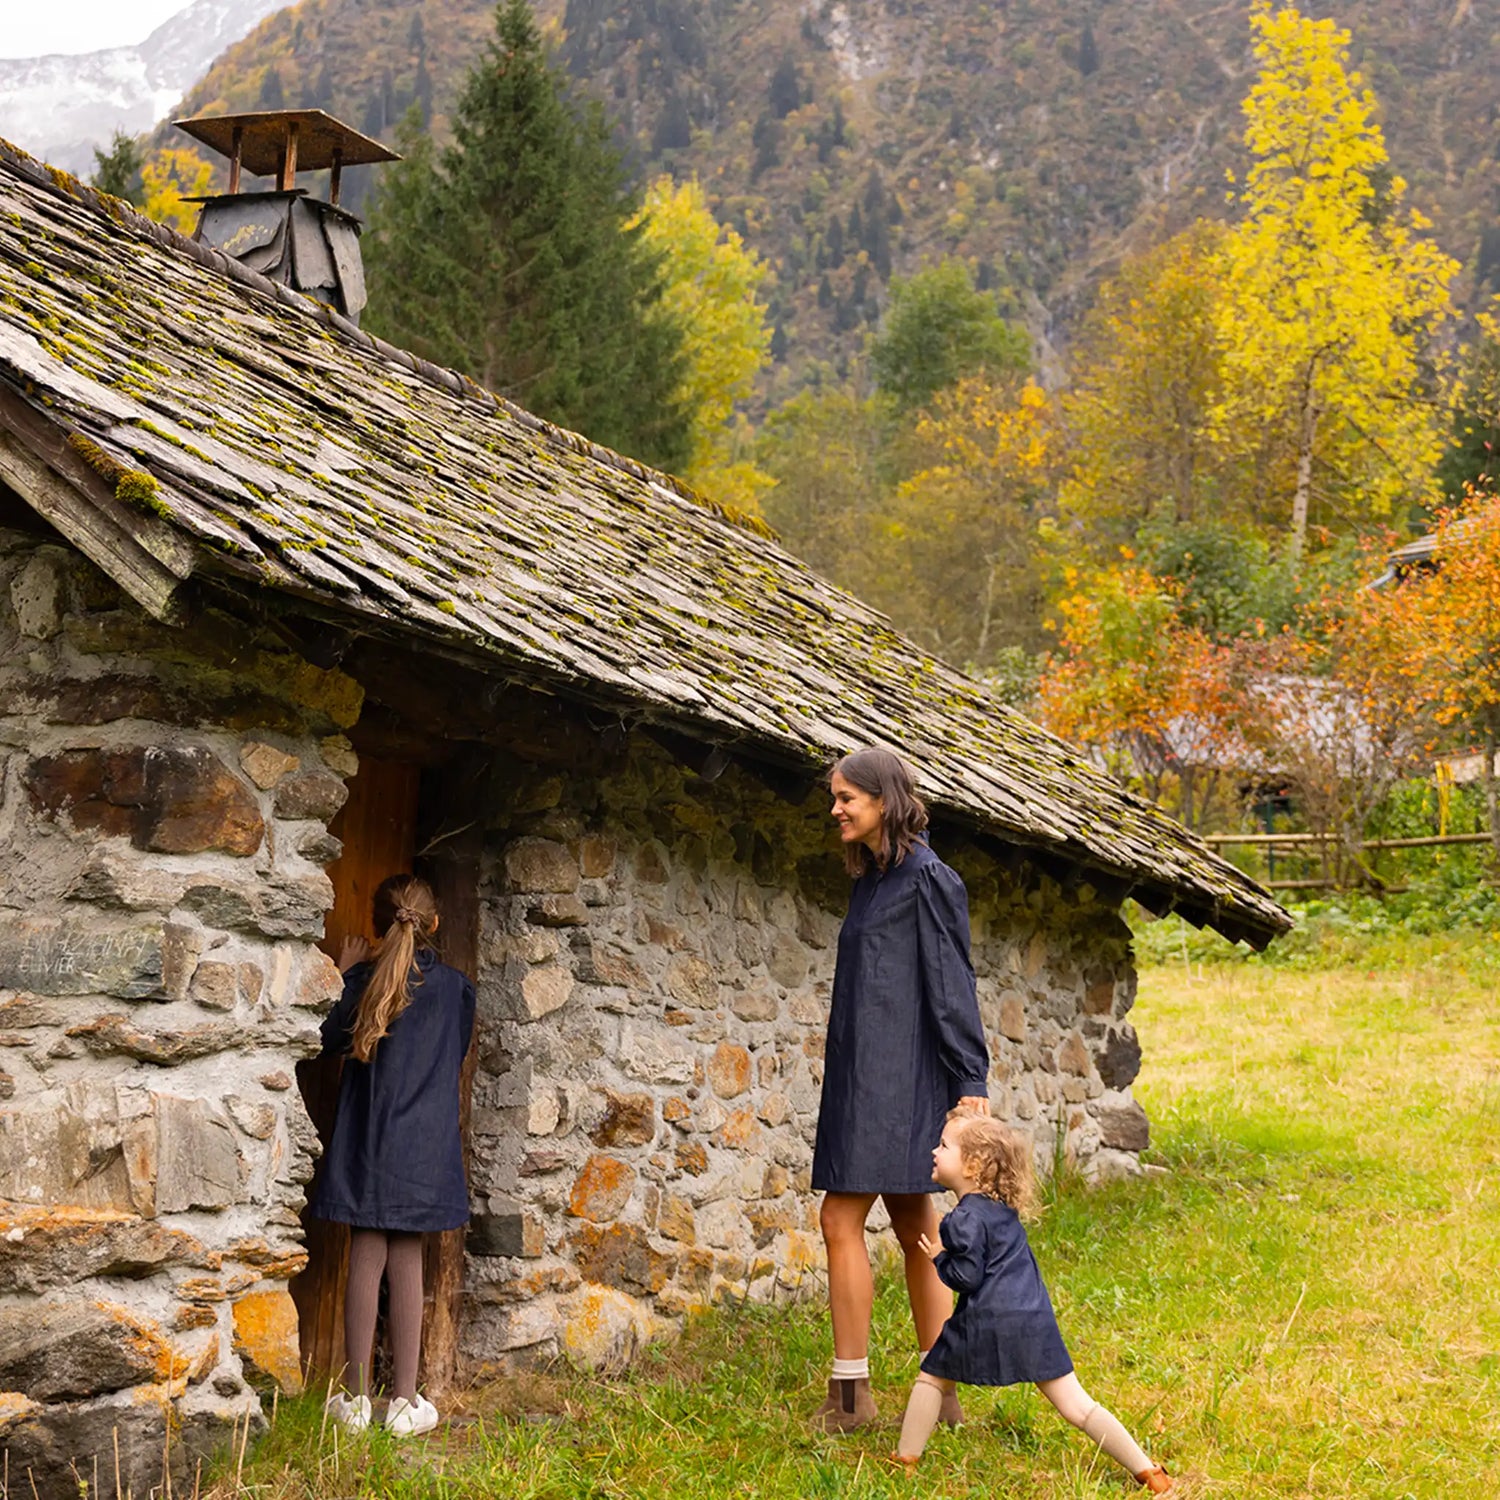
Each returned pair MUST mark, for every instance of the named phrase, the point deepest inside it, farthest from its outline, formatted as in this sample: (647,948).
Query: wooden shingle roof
(249,435)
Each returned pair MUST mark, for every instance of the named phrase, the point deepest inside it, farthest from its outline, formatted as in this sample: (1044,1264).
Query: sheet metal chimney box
(283,233)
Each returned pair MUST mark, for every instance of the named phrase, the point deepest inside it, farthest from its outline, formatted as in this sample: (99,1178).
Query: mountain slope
(1040,139)
(60,107)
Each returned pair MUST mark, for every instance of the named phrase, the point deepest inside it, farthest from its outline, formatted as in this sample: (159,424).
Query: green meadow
(1299,1301)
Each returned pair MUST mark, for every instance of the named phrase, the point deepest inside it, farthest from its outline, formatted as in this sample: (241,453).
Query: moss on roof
(300,454)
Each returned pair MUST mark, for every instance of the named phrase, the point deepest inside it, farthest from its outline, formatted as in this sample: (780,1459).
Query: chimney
(283,233)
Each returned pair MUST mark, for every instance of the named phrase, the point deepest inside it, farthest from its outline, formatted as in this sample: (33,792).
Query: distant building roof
(257,439)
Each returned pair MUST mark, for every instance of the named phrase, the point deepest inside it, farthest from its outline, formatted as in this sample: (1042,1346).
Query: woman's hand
(928,1248)
(353,950)
(978,1104)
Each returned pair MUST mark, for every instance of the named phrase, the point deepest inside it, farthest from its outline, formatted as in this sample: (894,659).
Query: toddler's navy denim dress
(396,1159)
(905,1042)
(1003,1330)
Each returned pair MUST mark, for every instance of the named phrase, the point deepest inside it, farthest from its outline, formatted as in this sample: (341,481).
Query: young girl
(394,1168)
(1003,1330)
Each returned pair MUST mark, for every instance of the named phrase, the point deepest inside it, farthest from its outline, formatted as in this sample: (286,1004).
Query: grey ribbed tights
(398,1257)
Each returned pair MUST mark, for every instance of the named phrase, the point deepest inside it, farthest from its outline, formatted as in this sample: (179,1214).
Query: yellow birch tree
(711,283)
(1332,291)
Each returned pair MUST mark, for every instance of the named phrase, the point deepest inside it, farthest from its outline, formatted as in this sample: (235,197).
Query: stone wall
(164,796)
(657,962)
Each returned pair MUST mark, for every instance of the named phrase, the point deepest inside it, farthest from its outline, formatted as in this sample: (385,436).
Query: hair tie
(407,915)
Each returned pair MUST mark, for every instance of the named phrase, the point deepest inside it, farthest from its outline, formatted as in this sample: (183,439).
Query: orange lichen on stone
(266,1338)
(602,1189)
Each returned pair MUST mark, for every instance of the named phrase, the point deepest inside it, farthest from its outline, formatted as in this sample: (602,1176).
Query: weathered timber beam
(142,554)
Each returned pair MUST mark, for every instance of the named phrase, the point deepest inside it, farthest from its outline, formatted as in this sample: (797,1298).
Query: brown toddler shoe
(848,1406)
(1156,1479)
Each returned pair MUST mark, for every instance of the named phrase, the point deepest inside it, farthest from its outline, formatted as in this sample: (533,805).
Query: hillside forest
(1110,350)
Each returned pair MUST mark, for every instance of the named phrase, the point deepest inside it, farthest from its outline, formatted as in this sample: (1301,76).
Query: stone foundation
(658,958)
(163,823)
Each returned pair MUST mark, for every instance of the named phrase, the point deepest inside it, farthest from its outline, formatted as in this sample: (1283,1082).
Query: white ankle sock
(851,1369)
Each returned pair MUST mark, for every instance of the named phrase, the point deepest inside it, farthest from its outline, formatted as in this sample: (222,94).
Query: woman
(905,1044)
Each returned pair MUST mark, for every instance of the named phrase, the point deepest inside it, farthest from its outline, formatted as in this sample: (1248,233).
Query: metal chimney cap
(260,140)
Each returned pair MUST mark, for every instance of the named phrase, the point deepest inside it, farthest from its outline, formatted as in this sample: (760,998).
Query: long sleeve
(337,1030)
(466,1021)
(960,1264)
(948,980)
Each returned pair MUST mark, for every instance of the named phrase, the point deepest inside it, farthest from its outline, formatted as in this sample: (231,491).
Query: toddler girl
(1003,1330)
(394,1168)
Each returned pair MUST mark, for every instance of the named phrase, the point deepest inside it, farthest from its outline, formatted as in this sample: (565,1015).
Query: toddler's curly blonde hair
(998,1159)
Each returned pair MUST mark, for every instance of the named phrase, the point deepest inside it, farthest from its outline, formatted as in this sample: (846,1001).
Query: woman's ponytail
(406,918)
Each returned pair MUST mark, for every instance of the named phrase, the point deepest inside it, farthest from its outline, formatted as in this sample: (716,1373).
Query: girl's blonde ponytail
(406,918)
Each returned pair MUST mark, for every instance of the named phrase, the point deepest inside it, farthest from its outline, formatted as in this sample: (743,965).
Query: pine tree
(118,170)
(506,256)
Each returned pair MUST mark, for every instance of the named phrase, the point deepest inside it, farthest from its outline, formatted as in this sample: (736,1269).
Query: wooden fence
(1298,843)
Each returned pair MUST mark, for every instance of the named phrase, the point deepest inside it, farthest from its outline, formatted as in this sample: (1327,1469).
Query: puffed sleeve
(948,981)
(337,1030)
(960,1263)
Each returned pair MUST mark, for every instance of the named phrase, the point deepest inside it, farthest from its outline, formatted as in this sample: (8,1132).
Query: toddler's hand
(932,1251)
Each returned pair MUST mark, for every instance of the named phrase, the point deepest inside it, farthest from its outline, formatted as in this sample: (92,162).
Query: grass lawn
(1304,1304)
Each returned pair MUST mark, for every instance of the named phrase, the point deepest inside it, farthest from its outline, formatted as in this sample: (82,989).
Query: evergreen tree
(118,170)
(506,256)
(786,89)
(939,328)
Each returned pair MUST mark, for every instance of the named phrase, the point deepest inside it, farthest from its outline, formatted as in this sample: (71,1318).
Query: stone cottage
(283,609)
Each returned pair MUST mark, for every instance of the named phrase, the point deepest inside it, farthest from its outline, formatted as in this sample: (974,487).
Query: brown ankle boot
(950,1413)
(848,1406)
(1155,1479)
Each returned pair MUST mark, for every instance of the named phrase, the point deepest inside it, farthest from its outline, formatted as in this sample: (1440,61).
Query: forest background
(1149,517)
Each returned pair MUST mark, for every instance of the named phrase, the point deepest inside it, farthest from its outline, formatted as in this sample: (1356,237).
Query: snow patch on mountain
(61,107)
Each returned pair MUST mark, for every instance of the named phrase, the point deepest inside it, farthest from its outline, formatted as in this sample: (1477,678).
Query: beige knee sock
(1107,1433)
(922,1408)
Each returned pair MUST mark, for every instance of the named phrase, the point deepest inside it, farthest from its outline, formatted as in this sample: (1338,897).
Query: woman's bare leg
(851,1287)
(913,1215)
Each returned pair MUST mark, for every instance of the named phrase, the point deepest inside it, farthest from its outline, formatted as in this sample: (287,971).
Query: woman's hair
(997,1158)
(879,773)
(406,917)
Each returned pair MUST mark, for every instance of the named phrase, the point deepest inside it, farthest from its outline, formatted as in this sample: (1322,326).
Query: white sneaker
(352,1413)
(405,1418)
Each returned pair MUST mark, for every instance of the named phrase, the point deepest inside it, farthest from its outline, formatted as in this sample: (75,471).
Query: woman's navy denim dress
(396,1160)
(905,1041)
(1003,1330)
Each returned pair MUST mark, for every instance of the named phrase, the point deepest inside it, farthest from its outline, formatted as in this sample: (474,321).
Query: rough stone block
(602,1328)
(1073,1056)
(1124,1126)
(81,956)
(265,765)
(757,1003)
(621,1255)
(1120,1059)
(692,982)
(740,1132)
(1099,996)
(628,1120)
(729,1070)
(36,595)
(310,794)
(1013,1017)
(691,1158)
(214,985)
(540,866)
(266,1340)
(170,800)
(651,1058)
(106,1035)
(596,857)
(49,1246)
(56,1351)
(495,1234)
(558,911)
(197,1164)
(292,906)
(543,990)
(601,1189)
(674,1220)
